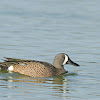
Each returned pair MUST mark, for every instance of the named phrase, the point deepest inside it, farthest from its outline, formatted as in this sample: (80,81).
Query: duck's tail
(3,66)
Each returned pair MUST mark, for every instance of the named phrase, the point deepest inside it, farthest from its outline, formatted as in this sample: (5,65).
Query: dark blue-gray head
(61,59)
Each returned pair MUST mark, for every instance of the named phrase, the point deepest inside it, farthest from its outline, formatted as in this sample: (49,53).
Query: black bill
(71,62)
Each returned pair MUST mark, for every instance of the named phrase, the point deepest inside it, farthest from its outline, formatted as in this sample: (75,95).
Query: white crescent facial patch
(66,59)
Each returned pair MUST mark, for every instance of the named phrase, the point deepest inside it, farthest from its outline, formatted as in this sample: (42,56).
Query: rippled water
(39,29)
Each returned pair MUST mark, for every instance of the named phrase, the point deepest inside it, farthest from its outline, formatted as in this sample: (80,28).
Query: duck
(33,68)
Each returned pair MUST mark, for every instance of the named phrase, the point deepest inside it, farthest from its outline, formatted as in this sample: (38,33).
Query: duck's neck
(57,65)
(60,71)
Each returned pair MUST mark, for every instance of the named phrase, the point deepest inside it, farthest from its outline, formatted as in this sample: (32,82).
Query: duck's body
(34,68)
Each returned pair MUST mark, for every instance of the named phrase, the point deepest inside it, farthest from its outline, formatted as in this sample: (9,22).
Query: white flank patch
(66,59)
(10,68)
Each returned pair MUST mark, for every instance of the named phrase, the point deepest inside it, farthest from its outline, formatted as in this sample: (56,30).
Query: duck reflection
(59,84)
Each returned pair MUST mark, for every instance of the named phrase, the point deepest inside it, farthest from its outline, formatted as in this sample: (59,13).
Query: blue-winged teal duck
(34,68)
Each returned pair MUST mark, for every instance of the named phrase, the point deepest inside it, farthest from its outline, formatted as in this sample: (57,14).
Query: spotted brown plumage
(34,68)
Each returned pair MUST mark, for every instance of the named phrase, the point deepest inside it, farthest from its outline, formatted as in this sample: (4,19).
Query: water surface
(38,30)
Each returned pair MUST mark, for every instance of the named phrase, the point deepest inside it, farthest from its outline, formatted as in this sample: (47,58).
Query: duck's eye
(63,57)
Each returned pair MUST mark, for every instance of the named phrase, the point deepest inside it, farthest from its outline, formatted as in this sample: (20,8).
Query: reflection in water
(58,84)
(21,78)
(61,88)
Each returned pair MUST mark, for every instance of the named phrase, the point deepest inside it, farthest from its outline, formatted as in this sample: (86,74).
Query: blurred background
(40,29)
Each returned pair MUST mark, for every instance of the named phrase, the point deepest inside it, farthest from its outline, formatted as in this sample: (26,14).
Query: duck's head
(62,59)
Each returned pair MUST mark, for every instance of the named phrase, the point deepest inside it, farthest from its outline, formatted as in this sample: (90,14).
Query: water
(39,29)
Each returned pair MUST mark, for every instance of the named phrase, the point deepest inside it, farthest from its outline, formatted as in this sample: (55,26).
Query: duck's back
(35,69)
(30,67)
